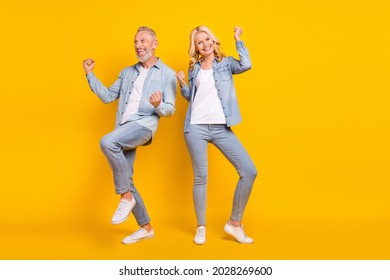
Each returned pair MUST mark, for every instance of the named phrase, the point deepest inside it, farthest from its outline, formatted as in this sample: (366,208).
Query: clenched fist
(237,33)
(88,64)
(155,99)
(180,77)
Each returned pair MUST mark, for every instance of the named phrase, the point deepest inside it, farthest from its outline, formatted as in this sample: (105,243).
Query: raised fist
(88,64)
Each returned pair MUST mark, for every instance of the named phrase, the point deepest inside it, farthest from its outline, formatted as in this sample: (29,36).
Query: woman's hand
(237,33)
(180,77)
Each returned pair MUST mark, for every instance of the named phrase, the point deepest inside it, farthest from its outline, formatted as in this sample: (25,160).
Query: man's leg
(124,138)
(139,211)
(141,215)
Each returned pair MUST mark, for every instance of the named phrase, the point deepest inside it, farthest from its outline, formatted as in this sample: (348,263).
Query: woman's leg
(227,142)
(196,140)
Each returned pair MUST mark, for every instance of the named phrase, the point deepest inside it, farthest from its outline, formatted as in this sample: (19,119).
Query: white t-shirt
(206,107)
(135,96)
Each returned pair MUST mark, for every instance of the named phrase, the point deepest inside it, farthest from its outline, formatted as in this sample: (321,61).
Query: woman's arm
(244,63)
(184,89)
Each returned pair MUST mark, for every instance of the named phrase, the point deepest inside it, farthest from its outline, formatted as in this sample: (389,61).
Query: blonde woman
(212,111)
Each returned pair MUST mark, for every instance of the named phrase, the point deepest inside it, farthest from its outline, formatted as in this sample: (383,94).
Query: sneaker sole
(135,241)
(121,221)
(199,243)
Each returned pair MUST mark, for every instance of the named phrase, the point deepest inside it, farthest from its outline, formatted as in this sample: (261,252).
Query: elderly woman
(212,111)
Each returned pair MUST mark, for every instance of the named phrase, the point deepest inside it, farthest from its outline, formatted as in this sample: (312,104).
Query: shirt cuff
(159,107)
(240,43)
(90,75)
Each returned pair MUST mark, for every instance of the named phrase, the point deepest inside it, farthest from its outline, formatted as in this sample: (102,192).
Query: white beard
(146,57)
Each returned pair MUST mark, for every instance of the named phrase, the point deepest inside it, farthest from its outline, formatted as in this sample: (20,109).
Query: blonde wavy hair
(194,55)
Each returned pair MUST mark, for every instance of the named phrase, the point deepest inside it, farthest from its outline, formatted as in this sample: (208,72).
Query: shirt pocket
(125,86)
(155,85)
(146,108)
(225,73)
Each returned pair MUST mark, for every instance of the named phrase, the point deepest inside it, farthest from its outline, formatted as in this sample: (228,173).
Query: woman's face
(204,44)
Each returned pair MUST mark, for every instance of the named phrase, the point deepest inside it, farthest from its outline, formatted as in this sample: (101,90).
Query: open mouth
(207,48)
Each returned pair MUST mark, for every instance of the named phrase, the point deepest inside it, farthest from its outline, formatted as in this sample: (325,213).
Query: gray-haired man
(146,92)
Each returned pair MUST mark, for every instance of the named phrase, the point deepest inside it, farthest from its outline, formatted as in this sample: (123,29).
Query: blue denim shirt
(222,72)
(160,78)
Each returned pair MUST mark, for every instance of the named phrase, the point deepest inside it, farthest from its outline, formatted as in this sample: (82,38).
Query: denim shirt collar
(215,61)
(158,64)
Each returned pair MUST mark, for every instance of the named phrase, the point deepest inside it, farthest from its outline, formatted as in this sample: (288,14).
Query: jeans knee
(249,173)
(200,181)
(106,144)
(254,173)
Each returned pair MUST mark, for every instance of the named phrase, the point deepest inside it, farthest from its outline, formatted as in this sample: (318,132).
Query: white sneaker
(138,235)
(122,212)
(200,236)
(238,233)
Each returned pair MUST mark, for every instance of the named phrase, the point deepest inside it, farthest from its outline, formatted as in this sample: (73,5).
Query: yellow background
(315,112)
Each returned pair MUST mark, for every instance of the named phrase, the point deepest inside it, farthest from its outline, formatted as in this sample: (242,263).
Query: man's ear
(155,44)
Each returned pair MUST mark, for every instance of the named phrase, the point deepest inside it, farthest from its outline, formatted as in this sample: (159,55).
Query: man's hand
(155,99)
(88,64)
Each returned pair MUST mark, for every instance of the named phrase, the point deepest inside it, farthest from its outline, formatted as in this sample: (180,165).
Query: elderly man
(146,92)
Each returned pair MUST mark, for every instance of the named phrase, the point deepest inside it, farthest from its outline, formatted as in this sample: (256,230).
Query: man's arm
(105,94)
(164,105)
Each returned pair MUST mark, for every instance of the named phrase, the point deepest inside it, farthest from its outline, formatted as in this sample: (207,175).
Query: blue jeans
(226,141)
(119,147)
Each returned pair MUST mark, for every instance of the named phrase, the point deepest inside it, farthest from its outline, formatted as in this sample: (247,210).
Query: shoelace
(121,207)
(201,232)
(242,233)
(137,233)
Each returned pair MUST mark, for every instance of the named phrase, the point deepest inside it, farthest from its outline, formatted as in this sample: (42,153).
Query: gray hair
(148,29)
